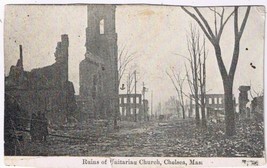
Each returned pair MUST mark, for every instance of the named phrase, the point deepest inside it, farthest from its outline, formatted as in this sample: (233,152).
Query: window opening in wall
(121,110)
(210,100)
(220,100)
(101,26)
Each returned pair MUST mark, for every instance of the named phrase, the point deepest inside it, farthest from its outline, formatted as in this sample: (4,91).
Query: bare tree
(202,84)
(256,93)
(129,88)
(177,106)
(214,37)
(124,59)
(194,50)
(178,83)
(196,79)
(130,80)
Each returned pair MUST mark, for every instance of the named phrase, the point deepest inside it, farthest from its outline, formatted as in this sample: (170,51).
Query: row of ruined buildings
(244,108)
(214,106)
(48,89)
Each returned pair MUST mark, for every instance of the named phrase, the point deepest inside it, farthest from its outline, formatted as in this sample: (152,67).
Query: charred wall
(46,89)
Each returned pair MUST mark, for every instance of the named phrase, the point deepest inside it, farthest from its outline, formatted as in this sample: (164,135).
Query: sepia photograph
(138,84)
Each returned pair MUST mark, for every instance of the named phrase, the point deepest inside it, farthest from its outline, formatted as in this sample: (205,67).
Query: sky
(157,34)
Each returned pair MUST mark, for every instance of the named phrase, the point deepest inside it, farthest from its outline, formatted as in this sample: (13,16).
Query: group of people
(39,127)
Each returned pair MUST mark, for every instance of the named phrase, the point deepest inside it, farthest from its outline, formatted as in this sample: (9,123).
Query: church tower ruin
(98,71)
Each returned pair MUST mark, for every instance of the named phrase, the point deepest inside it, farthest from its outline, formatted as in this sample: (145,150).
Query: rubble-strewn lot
(175,138)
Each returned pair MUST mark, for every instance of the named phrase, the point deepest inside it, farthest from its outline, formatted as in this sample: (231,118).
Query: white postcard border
(78,161)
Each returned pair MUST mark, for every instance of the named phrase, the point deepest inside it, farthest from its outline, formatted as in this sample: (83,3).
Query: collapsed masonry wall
(46,90)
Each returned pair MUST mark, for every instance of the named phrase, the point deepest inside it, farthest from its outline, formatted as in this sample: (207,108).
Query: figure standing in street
(33,128)
(38,127)
(44,125)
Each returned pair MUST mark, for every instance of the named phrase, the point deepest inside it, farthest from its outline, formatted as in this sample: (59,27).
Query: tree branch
(238,35)
(199,23)
(222,25)
(244,22)
(205,22)
(215,11)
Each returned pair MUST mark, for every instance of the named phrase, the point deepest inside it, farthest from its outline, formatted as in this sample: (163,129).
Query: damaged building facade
(133,108)
(214,106)
(244,109)
(47,89)
(99,96)
(243,100)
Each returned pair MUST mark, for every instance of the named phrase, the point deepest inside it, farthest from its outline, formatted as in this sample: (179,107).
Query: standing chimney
(21,56)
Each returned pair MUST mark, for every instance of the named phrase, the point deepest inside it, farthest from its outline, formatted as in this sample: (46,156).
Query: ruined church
(46,90)
(98,71)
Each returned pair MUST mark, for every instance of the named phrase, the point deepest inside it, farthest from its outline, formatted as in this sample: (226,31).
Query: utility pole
(144,89)
(21,56)
(151,103)
(144,101)
(160,108)
(135,115)
(128,108)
